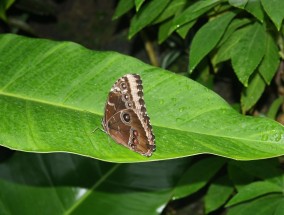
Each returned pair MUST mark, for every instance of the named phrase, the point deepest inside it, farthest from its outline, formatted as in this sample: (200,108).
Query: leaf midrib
(45,102)
(160,126)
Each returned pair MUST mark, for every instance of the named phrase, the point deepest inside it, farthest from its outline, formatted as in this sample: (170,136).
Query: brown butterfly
(126,119)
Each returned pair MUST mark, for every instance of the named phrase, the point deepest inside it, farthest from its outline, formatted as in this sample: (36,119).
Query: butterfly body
(126,119)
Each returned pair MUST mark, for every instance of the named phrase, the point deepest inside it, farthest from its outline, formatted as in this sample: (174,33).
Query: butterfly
(125,118)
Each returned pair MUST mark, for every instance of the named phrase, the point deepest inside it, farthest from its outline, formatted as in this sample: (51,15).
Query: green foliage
(253,190)
(69,184)
(266,196)
(53,98)
(217,28)
(4,5)
(218,193)
(147,15)
(248,52)
(193,179)
(249,38)
(274,11)
(275,107)
(73,184)
(253,92)
(122,8)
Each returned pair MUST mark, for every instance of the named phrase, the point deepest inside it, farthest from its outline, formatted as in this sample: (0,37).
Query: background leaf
(197,176)
(252,93)
(254,190)
(255,169)
(204,38)
(232,28)
(273,109)
(74,184)
(4,5)
(171,9)
(146,15)
(163,31)
(255,8)
(271,60)
(225,51)
(238,176)
(238,3)
(183,30)
(138,4)
(122,8)
(218,193)
(274,9)
(263,206)
(192,12)
(249,52)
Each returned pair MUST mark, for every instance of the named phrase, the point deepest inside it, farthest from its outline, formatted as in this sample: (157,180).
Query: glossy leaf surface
(52,96)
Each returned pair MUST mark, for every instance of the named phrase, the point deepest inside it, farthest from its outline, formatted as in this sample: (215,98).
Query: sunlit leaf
(52,99)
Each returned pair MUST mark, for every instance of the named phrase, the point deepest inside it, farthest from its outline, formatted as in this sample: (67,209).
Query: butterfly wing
(126,119)
(130,133)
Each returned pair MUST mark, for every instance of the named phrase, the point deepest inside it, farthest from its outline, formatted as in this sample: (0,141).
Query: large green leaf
(52,96)
(70,184)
